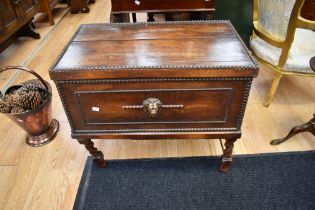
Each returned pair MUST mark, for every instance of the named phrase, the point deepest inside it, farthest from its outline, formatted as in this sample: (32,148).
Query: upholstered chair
(282,39)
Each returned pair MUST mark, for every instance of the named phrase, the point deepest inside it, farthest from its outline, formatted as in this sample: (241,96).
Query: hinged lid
(160,49)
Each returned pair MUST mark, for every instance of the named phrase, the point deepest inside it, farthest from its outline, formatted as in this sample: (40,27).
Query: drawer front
(116,105)
(154,5)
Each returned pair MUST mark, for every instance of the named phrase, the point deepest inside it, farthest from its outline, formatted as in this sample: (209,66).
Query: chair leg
(273,88)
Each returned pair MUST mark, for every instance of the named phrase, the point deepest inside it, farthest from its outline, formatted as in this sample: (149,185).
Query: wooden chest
(155,80)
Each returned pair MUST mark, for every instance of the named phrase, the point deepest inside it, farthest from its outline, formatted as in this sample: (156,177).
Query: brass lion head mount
(152,106)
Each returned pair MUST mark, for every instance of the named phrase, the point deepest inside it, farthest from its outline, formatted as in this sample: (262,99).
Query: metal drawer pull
(152,106)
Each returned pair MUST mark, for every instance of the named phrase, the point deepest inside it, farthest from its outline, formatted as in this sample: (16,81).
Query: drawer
(195,104)
(155,5)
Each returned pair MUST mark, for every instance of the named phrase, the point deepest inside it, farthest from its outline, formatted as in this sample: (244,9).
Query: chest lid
(179,49)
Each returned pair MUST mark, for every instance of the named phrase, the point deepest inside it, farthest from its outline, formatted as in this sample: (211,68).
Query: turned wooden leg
(120,18)
(45,7)
(150,17)
(227,155)
(28,31)
(98,157)
(309,126)
(134,17)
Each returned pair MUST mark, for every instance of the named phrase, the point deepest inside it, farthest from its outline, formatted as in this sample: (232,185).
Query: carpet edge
(212,156)
(83,185)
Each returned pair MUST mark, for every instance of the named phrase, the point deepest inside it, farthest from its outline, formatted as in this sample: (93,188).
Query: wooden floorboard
(48,177)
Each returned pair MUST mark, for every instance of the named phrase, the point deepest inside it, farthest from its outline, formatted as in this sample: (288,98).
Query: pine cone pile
(23,99)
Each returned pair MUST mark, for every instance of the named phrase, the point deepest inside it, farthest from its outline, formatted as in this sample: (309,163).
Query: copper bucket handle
(27,70)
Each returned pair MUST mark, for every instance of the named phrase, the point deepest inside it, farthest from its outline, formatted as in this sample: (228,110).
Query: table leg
(150,17)
(120,18)
(309,126)
(134,17)
(227,155)
(46,7)
(98,157)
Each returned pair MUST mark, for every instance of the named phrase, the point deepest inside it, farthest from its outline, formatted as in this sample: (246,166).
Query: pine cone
(45,95)
(17,110)
(27,101)
(35,99)
(14,99)
(4,106)
(26,89)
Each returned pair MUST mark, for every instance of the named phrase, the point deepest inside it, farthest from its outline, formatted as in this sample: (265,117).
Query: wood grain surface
(48,177)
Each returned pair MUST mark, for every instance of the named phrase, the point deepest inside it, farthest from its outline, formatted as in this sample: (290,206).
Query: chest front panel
(192,103)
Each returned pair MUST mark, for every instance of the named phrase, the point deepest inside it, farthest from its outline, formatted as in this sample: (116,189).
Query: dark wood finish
(227,154)
(156,80)
(47,6)
(98,157)
(134,17)
(307,127)
(308,10)
(9,16)
(200,9)
(15,20)
(127,6)
(77,6)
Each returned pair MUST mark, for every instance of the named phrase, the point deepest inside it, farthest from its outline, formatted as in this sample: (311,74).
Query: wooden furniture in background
(47,6)
(77,6)
(307,127)
(308,10)
(164,80)
(16,20)
(121,8)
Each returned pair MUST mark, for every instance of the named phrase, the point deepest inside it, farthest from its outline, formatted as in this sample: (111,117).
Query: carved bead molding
(100,81)
(152,107)
(155,130)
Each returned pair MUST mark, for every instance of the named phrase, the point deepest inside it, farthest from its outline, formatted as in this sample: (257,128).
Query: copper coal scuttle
(29,106)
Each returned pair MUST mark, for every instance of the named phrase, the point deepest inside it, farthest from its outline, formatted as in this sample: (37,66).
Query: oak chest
(155,80)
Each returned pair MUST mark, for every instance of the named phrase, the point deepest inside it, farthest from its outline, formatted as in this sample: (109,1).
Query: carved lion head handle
(153,106)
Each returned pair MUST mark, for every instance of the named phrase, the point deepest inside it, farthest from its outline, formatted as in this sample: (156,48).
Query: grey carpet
(266,181)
